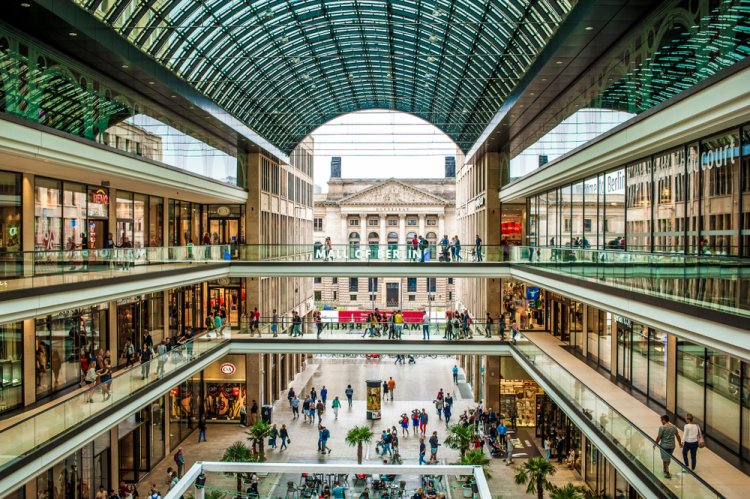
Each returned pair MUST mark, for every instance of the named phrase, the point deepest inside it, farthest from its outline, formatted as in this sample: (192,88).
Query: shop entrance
(130,321)
(98,230)
(228,298)
(560,320)
(135,460)
(624,349)
(224,230)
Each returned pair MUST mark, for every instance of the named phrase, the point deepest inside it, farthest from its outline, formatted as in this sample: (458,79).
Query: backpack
(326,434)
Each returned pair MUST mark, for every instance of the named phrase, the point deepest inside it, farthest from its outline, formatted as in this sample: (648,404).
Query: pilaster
(29,362)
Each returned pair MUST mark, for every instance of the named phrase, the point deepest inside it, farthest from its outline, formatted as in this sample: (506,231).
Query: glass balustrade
(85,406)
(637,446)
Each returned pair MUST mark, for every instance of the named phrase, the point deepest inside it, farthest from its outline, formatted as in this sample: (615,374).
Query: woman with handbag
(692,438)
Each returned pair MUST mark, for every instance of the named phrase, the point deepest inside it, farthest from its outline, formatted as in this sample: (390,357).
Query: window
(373,296)
(450,280)
(432,221)
(450,295)
(411,285)
(373,222)
(353,284)
(354,222)
(317,280)
(335,296)
(372,285)
(392,222)
(334,280)
(318,295)
(431,284)
(352,297)
(411,221)
(318,224)
(412,298)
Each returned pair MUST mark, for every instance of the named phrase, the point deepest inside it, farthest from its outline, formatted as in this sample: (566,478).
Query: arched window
(353,244)
(373,241)
(432,241)
(392,245)
(392,237)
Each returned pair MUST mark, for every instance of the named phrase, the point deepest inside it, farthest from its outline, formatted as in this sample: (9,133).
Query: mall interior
(173,271)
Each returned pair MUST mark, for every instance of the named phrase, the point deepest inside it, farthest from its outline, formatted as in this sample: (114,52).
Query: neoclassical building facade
(379,215)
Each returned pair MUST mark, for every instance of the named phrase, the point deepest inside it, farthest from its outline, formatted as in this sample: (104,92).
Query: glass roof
(285,67)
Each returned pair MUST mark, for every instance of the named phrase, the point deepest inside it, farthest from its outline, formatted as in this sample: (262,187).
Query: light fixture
(173,96)
(544,79)
(589,28)
(558,62)
(151,82)
(532,93)
(73,34)
(25,5)
(433,38)
(431,58)
(124,66)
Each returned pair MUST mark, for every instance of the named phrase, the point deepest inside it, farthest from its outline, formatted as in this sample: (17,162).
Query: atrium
(413,249)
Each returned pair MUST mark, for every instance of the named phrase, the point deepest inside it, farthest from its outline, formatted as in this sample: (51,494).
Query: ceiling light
(532,93)
(589,28)
(269,14)
(305,76)
(431,59)
(25,5)
(544,79)
(151,82)
(295,59)
(351,76)
(173,96)
(124,66)
(558,62)
(389,75)
(433,38)
(73,34)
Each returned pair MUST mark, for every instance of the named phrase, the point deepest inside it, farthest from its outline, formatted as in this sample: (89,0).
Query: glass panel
(47,214)
(745,201)
(690,379)
(669,201)
(719,163)
(639,206)
(657,367)
(155,221)
(553,219)
(576,225)
(11,365)
(75,232)
(692,199)
(640,371)
(543,239)
(10,214)
(614,210)
(722,398)
(140,220)
(590,214)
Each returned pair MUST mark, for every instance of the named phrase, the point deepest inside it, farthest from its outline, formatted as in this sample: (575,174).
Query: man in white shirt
(425,326)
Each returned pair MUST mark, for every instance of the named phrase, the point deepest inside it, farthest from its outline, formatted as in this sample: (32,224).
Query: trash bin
(265,413)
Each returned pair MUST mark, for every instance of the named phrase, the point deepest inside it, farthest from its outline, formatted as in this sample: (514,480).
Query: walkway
(720,474)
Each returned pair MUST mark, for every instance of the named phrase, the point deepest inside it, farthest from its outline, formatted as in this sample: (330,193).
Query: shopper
(455,374)
(692,438)
(284,434)
(336,404)
(274,435)
(295,408)
(253,412)
(201,429)
(391,387)
(105,378)
(179,460)
(508,450)
(324,394)
(425,326)
(415,421)
(324,436)
(447,414)
(666,440)
(385,390)
(349,394)
(146,354)
(434,443)
(488,326)
(422,451)
(275,323)
(423,422)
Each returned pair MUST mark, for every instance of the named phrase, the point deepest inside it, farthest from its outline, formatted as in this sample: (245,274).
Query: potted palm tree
(358,436)
(569,491)
(238,452)
(473,458)
(460,437)
(533,473)
(257,434)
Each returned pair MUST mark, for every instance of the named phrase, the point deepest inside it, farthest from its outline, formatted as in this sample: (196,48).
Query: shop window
(372,285)
(412,298)
(10,216)
(353,284)
(334,280)
(11,353)
(352,297)
(354,222)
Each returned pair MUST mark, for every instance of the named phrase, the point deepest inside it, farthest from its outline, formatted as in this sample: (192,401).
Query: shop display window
(11,366)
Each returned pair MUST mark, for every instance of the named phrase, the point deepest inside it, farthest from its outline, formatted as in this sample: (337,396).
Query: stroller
(495,450)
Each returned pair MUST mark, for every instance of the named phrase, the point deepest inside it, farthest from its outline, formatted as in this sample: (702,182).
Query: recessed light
(151,82)
(124,66)
(73,34)
(532,93)
(589,28)
(25,5)
(558,62)
(544,79)
(173,96)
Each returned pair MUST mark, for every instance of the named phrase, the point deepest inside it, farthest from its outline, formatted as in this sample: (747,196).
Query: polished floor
(416,387)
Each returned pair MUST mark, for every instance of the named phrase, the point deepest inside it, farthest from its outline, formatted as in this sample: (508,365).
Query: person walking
(320,408)
(422,451)
(666,440)
(385,390)
(273,436)
(508,450)
(692,437)
(336,404)
(275,323)
(488,326)
(439,404)
(306,408)
(295,408)
(146,354)
(179,460)
(391,387)
(423,418)
(478,248)
(201,429)
(284,435)
(324,436)
(447,414)
(161,352)
(455,374)
(434,443)
(425,326)
(324,394)
(386,439)
(547,447)
(254,413)
(349,392)
(105,378)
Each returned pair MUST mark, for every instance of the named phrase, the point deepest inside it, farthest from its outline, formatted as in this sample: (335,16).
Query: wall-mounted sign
(479,202)
(100,196)
(223,211)
(228,369)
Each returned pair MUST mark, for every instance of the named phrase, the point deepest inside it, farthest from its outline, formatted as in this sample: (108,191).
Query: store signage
(228,369)
(223,211)
(624,321)
(100,196)
(532,293)
(479,202)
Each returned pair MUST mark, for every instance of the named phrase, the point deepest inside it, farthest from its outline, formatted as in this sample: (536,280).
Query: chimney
(336,167)
(450,167)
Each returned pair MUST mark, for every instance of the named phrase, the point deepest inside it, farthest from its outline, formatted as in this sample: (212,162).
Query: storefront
(141,441)
(140,219)
(566,320)
(184,406)
(80,474)
(642,359)
(61,340)
(552,423)
(225,389)
(190,222)
(186,308)
(11,366)
(692,199)
(135,316)
(226,224)
(227,295)
(10,223)
(524,304)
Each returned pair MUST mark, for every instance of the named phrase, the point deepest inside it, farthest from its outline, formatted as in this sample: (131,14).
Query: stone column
(671,373)
(585,331)
(253,380)
(383,239)
(113,333)
(492,382)
(29,362)
(441,226)
(253,227)
(114,454)
(27,226)
(402,242)
(477,384)
(421,225)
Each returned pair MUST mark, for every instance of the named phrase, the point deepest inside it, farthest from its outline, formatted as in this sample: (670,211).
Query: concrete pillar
(27,224)
(167,436)
(671,374)
(30,490)
(477,384)
(441,227)
(584,331)
(492,382)
(165,227)
(112,211)
(165,312)
(613,346)
(253,380)
(280,378)
(29,362)
(114,455)
(112,332)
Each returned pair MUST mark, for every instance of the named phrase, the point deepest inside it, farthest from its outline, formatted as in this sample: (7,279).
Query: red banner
(510,228)
(410,316)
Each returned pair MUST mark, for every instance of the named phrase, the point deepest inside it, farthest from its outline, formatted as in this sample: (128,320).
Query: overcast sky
(381,144)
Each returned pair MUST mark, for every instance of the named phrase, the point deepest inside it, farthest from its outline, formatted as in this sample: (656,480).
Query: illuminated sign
(100,196)
(228,369)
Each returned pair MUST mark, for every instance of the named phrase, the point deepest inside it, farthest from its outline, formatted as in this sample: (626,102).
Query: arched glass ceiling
(284,67)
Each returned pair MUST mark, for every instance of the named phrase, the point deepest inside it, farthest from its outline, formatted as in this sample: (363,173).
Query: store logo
(228,369)
(223,211)
(100,197)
